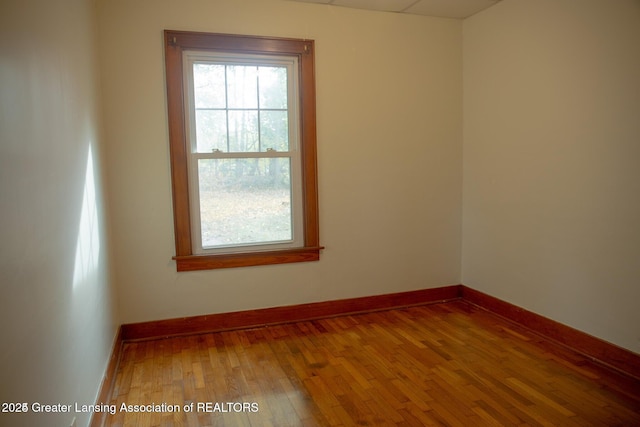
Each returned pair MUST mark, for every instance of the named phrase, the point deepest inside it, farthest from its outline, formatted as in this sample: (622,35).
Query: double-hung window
(243,154)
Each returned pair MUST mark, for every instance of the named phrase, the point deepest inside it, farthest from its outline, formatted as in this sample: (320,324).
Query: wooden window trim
(175,43)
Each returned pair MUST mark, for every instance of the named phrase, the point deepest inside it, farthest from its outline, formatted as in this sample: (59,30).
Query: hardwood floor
(443,364)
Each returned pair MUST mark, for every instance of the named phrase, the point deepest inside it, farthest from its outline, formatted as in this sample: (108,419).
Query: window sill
(212,262)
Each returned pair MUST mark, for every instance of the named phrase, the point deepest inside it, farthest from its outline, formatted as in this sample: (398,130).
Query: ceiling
(442,8)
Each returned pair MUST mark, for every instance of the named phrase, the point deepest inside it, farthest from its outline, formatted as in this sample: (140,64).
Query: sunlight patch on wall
(88,245)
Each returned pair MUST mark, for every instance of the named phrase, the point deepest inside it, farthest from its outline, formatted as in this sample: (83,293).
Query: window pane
(274,130)
(243,131)
(273,87)
(208,86)
(244,201)
(242,86)
(211,130)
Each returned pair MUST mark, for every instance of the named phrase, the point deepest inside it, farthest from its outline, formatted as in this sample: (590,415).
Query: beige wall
(389,140)
(56,312)
(551,151)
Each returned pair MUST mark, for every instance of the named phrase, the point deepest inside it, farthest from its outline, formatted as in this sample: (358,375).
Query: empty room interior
(477,192)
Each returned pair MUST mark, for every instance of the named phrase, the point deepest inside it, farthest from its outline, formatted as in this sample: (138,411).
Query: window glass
(209,85)
(274,130)
(211,130)
(243,130)
(245,201)
(242,86)
(273,87)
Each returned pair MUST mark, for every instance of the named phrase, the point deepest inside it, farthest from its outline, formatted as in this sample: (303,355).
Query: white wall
(56,311)
(551,151)
(389,140)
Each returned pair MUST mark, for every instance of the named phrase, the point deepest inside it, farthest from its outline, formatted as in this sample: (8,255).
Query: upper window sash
(225,104)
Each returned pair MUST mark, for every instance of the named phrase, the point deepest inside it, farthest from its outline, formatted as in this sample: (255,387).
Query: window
(243,149)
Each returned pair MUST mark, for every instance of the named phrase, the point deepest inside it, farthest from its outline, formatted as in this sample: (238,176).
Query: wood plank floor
(449,364)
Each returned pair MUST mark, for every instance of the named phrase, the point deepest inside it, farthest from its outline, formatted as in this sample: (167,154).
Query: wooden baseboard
(109,380)
(603,352)
(286,314)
